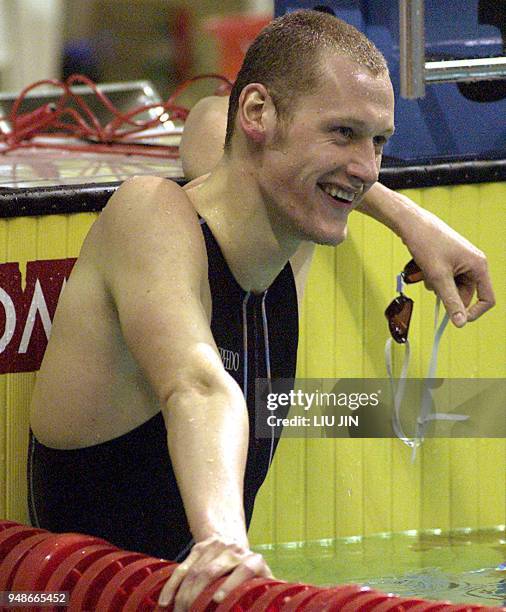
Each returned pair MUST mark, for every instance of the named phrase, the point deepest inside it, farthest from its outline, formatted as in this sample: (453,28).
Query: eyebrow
(351,122)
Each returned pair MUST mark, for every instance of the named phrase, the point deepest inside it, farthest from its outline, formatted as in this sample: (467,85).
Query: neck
(230,201)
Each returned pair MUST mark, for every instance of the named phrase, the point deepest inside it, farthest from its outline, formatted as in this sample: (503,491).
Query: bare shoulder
(149,214)
(142,196)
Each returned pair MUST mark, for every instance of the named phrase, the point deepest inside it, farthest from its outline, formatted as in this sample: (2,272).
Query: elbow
(201,379)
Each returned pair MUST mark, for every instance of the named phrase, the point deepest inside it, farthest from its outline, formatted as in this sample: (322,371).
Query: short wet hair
(288,58)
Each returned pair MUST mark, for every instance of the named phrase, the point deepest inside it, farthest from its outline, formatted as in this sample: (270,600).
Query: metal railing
(416,72)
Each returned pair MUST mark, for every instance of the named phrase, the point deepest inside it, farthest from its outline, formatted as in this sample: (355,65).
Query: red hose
(100,576)
(72,123)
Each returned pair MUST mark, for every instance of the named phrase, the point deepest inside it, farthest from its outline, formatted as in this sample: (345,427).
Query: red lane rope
(82,123)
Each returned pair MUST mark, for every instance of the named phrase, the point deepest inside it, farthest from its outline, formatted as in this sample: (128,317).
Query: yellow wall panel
(349,296)
(349,487)
(491,481)
(378,277)
(464,347)
(435,485)
(290,490)
(492,239)
(320,329)
(262,527)
(405,488)
(377,491)
(51,236)
(464,483)
(320,503)
(78,227)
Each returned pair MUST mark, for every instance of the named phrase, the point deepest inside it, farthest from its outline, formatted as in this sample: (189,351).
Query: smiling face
(316,168)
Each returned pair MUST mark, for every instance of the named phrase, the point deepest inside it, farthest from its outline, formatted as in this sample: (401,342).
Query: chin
(330,237)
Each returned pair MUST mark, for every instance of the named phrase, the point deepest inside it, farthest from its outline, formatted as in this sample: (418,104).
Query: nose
(364,162)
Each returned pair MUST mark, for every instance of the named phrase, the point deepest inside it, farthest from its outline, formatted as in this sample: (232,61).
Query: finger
(466,291)
(171,586)
(178,575)
(486,298)
(216,559)
(210,566)
(447,291)
(253,565)
(196,581)
(207,549)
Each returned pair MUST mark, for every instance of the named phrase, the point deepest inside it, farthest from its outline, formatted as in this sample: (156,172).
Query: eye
(343,133)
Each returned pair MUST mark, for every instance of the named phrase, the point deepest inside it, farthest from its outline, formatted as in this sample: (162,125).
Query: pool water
(461,566)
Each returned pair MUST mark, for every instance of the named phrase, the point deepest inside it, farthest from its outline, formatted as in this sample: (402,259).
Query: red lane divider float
(101,577)
(12,561)
(365,601)
(245,595)
(145,596)
(7,524)
(37,567)
(88,589)
(299,601)
(278,596)
(333,598)
(204,602)
(117,590)
(69,572)
(396,604)
(12,536)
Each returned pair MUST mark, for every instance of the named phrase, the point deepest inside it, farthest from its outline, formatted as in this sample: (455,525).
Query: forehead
(349,90)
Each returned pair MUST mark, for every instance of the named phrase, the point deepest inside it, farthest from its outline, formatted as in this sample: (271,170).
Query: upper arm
(155,267)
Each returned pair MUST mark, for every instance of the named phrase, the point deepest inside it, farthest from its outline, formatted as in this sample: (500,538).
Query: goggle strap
(400,283)
(425,414)
(425,410)
(398,392)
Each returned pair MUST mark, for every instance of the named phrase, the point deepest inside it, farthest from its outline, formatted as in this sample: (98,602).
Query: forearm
(395,211)
(410,222)
(207,429)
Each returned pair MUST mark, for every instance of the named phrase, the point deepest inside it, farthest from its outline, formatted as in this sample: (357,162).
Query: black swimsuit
(125,490)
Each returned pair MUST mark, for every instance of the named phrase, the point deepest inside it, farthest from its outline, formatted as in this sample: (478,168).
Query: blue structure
(453,121)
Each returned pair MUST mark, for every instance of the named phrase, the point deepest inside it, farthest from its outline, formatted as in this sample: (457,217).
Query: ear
(257,114)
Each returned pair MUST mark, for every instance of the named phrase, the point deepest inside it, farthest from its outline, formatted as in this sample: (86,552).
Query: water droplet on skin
(349,491)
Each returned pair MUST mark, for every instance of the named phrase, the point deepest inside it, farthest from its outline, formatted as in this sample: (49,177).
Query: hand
(207,561)
(452,267)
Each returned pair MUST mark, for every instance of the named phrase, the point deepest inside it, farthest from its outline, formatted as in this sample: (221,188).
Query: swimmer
(143,411)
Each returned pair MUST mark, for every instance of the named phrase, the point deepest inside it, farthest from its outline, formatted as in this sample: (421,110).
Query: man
(170,280)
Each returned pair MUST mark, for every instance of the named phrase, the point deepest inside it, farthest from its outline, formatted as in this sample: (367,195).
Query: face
(316,169)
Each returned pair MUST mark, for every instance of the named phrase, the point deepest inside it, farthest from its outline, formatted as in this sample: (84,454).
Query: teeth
(335,192)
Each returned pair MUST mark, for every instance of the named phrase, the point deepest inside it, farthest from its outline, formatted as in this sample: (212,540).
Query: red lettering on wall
(26,315)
